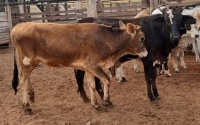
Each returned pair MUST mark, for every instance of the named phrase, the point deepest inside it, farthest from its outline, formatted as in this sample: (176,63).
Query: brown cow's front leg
(31,93)
(91,84)
(104,78)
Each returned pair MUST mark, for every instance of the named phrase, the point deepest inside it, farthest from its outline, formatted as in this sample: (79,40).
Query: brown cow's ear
(122,25)
(130,28)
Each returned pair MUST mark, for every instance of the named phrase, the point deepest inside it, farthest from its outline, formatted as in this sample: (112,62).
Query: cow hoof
(137,71)
(97,107)
(158,98)
(177,71)
(169,75)
(27,109)
(156,95)
(110,103)
(123,80)
(28,112)
(152,98)
(86,99)
(106,103)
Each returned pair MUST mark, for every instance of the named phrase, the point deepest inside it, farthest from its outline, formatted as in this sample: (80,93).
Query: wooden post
(8,10)
(156,3)
(91,8)
(146,2)
(66,8)
(21,11)
(99,4)
(78,6)
(151,5)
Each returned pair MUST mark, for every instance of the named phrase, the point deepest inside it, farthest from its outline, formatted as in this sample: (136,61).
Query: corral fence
(65,11)
(5,24)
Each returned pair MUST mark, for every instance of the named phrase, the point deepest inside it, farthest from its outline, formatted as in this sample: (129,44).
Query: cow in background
(143,13)
(178,52)
(162,35)
(196,44)
(89,47)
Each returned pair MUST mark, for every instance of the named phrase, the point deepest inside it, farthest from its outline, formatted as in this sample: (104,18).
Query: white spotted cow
(178,52)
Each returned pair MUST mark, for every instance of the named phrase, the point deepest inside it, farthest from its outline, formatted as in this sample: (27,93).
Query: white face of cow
(170,15)
(194,32)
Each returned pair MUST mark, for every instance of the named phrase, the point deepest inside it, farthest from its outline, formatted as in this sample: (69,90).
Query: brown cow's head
(136,45)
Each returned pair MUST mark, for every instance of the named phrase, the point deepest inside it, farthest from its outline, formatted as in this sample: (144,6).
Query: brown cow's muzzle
(143,53)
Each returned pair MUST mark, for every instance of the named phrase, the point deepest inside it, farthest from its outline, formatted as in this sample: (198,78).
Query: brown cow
(144,12)
(89,47)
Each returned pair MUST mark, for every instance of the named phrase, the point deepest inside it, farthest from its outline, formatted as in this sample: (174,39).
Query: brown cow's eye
(142,39)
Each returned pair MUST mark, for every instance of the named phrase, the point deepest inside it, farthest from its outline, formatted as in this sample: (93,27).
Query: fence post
(91,8)
(9,16)
(156,3)
(8,10)
(78,6)
(151,5)
(146,2)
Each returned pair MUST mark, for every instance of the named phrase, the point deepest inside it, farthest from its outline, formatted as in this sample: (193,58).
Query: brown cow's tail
(15,75)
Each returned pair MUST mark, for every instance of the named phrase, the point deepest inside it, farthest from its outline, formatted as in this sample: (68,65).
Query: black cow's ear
(188,19)
(158,21)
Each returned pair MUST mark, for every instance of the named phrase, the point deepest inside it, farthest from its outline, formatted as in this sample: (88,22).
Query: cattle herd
(94,44)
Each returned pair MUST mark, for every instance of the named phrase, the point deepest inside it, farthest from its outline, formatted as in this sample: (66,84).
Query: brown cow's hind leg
(25,81)
(27,89)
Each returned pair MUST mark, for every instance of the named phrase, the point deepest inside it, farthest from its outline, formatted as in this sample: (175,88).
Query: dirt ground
(57,101)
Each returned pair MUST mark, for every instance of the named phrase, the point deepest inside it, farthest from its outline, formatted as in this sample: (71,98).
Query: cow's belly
(77,63)
(107,64)
(57,62)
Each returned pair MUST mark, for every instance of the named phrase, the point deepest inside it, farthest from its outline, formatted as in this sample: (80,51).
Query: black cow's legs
(99,87)
(150,76)
(79,74)
(154,88)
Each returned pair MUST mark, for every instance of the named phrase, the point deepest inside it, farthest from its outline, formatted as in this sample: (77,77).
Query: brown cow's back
(63,44)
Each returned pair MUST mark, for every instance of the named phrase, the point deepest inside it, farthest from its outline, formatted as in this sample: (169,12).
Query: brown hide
(196,15)
(75,45)
(89,47)
(144,12)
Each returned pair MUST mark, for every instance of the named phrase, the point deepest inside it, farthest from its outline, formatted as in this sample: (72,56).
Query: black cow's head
(173,21)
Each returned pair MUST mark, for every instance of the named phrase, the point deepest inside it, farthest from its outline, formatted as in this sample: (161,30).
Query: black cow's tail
(15,75)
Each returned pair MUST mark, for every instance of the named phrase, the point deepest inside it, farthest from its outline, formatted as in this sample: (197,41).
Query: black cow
(162,34)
